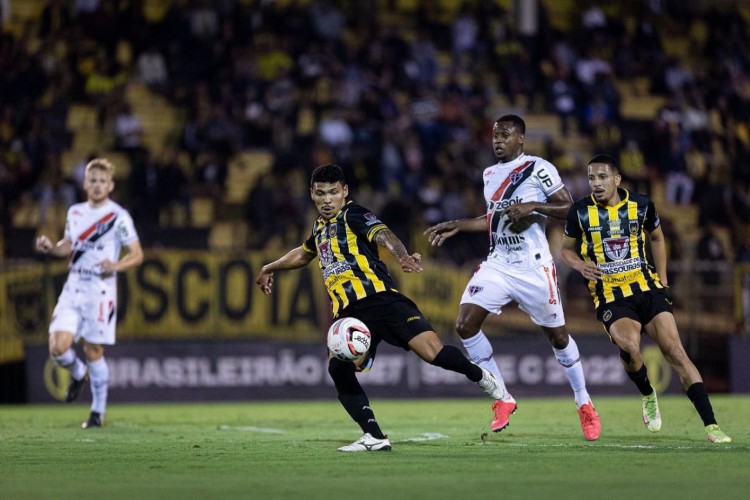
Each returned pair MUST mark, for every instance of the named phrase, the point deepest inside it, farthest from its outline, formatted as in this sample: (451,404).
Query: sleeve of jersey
(362,221)
(126,229)
(573,225)
(309,245)
(651,221)
(550,178)
(66,232)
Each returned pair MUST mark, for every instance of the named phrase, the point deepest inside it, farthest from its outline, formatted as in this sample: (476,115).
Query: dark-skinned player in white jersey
(521,191)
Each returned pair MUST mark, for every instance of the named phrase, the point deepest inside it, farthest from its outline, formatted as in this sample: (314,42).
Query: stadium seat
(244,170)
(228,236)
(82,116)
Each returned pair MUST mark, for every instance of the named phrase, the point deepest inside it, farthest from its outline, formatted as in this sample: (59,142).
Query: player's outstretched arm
(294,259)
(409,262)
(45,246)
(438,233)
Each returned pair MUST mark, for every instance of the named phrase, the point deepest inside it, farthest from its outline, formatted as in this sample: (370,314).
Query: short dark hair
(328,173)
(515,120)
(606,159)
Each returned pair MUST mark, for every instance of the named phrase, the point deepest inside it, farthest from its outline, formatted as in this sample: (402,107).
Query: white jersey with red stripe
(96,234)
(87,306)
(522,245)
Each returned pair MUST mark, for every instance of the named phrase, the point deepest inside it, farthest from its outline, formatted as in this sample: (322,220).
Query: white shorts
(88,311)
(535,290)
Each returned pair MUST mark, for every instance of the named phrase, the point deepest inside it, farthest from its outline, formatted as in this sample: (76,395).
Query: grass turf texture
(288,450)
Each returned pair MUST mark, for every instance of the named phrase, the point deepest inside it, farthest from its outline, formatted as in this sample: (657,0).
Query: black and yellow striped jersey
(348,256)
(613,238)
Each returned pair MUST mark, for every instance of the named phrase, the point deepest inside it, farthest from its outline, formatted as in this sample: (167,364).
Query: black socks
(353,397)
(640,378)
(451,358)
(698,395)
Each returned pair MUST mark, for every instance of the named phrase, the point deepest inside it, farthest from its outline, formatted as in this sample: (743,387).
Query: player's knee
(557,337)
(57,346)
(465,329)
(93,352)
(55,351)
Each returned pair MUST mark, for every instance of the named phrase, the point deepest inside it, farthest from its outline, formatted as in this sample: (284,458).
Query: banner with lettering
(204,295)
(259,370)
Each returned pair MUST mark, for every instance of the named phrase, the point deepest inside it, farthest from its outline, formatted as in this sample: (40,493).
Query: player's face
(507,141)
(603,182)
(98,184)
(329,197)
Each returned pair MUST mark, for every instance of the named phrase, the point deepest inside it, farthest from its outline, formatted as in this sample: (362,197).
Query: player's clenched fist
(43,244)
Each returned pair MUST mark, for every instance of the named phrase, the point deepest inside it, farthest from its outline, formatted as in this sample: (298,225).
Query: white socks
(479,350)
(72,363)
(570,359)
(99,376)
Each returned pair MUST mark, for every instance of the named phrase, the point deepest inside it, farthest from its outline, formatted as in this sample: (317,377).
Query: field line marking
(427,436)
(250,428)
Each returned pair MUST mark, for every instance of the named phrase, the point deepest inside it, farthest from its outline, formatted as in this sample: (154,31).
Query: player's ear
(345,190)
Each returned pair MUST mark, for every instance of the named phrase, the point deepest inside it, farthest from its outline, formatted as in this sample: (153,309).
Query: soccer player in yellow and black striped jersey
(605,242)
(346,237)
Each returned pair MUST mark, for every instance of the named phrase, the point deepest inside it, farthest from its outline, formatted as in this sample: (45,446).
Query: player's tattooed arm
(409,262)
(386,238)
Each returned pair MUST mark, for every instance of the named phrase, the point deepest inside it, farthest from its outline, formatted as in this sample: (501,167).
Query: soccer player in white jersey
(96,232)
(521,192)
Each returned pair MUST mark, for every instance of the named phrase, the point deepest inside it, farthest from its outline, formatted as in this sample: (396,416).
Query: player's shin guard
(480,352)
(353,397)
(451,358)
(699,397)
(641,381)
(99,376)
(570,359)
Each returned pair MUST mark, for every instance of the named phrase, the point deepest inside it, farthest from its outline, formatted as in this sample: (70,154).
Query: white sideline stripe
(250,428)
(86,440)
(427,436)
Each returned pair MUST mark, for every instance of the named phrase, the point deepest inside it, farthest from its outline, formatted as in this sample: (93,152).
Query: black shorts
(641,307)
(390,316)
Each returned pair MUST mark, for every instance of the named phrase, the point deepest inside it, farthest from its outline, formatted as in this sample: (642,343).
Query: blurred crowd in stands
(403,99)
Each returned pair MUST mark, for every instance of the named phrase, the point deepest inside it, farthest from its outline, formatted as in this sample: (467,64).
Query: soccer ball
(348,339)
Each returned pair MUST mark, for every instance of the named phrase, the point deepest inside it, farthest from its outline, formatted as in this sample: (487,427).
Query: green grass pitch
(270,450)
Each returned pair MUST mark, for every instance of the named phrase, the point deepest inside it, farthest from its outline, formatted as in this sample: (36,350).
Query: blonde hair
(102,164)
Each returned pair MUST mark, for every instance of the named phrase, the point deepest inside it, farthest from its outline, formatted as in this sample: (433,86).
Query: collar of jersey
(624,198)
(506,163)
